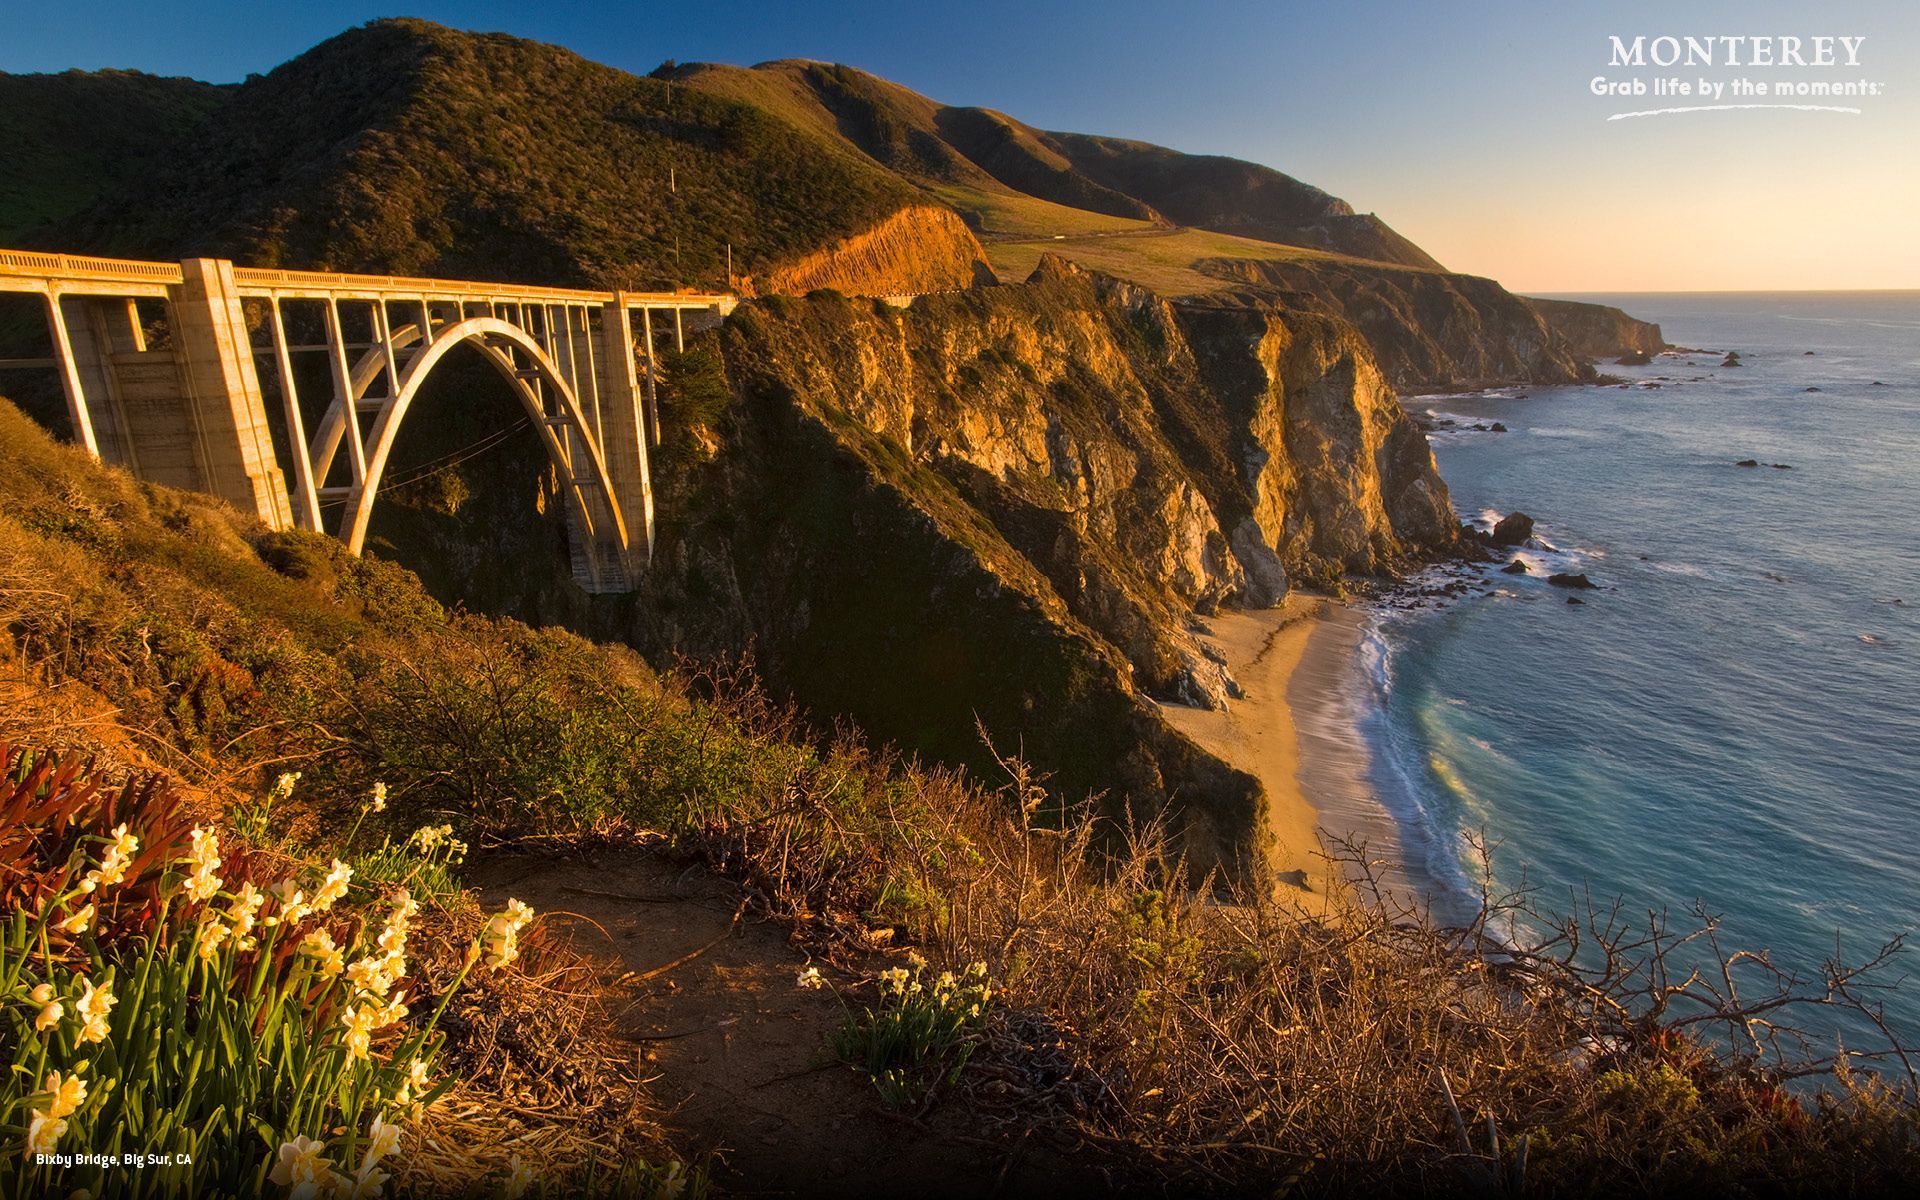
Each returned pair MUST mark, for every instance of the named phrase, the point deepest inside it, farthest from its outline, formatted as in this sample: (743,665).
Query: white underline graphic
(1659,112)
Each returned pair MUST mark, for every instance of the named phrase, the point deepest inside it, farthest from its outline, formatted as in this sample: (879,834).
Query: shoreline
(1296,730)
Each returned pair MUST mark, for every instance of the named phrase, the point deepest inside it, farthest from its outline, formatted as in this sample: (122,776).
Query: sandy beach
(1296,731)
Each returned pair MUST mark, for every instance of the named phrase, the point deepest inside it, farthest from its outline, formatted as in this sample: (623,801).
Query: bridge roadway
(161,364)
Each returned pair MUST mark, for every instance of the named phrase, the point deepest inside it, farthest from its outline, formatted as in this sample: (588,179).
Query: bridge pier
(223,392)
(626,416)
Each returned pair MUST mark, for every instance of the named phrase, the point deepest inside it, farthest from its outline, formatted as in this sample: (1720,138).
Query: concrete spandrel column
(211,332)
(623,434)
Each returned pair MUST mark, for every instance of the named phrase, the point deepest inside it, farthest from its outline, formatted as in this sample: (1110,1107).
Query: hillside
(406,147)
(737,928)
(71,138)
(975,157)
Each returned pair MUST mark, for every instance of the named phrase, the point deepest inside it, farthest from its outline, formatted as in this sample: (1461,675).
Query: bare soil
(738,1053)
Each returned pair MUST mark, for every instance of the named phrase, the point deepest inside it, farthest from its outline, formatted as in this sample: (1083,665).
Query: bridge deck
(74,274)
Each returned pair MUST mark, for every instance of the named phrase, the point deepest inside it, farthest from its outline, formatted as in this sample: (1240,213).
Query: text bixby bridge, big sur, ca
(160,366)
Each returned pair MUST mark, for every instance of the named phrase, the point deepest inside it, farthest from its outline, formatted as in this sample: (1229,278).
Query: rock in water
(1748,462)
(1497,427)
(1567,580)
(1516,567)
(1732,359)
(1513,530)
(1638,358)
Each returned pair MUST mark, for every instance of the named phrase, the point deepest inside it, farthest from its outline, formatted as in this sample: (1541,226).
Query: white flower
(283,786)
(501,935)
(212,935)
(372,975)
(318,944)
(78,922)
(360,1022)
(333,888)
(51,1010)
(205,857)
(415,1084)
(810,979)
(293,904)
(68,1094)
(300,1162)
(94,1005)
(44,1132)
(244,909)
(383,1140)
(519,1179)
(114,863)
(368,1182)
(379,801)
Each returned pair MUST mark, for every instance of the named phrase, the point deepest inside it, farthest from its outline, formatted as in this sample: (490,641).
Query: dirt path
(741,1052)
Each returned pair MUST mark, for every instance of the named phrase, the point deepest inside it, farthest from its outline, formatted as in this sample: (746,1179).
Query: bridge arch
(601,535)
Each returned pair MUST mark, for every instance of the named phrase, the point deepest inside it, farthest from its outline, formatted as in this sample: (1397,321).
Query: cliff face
(1598,330)
(1431,331)
(918,249)
(1013,503)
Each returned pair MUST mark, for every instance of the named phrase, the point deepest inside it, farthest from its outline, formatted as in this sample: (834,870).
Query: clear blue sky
(1468,126)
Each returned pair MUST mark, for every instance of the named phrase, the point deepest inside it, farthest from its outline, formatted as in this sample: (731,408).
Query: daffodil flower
(300,1162)
(78,922)
(318,944)
(94,1005)
(51,1010)
(114,863)
(519,1179)
(67,1095)
(44,1132)
(383,1139)
(333,888)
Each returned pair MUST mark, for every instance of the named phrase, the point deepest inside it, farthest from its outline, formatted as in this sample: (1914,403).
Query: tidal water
(1733,719)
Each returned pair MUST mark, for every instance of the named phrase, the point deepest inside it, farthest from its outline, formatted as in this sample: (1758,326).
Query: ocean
(1733,718)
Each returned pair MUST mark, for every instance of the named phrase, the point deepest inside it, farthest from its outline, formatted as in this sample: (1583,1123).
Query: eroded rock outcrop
(921,248)
(1596,331)
(1010,503)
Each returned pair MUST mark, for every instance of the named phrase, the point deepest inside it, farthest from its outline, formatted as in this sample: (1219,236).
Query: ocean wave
(1431,841)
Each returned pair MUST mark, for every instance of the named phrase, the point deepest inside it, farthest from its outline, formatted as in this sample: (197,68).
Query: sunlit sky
(1469,127)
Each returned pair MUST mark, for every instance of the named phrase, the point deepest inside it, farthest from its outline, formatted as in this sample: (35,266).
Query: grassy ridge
(406,146)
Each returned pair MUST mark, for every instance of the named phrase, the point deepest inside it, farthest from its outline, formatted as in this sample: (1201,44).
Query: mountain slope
(973,155)
(70,138)
(407,147)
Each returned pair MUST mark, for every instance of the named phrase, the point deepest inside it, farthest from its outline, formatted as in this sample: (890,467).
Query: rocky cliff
(1015,503)
(1598,331)
(920,248)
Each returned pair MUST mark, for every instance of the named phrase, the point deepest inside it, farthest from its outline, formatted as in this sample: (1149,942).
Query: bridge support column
(624,433)
(224,392)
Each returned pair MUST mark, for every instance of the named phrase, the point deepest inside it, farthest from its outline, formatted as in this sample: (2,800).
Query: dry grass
(1216,1041)
(1167,262)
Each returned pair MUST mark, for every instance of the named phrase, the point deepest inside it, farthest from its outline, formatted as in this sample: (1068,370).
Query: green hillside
(68,139)
(976,158)
(405,146)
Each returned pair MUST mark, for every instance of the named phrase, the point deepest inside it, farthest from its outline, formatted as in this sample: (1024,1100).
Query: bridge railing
(37,270)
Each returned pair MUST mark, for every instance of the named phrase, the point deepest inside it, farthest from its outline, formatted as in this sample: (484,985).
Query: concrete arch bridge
(161,364)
